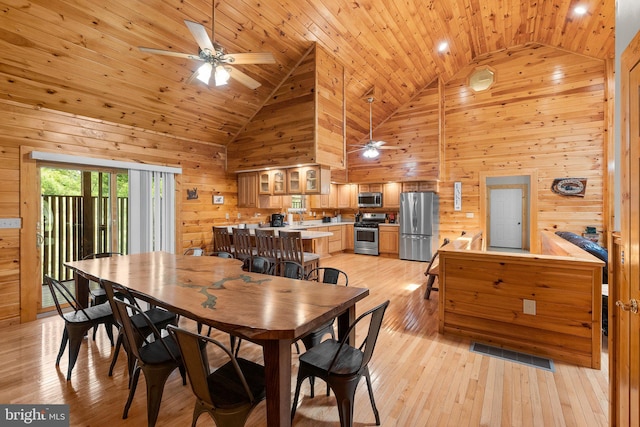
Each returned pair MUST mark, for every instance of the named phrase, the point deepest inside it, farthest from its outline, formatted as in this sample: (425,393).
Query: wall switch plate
(469,214)
(239,215)
(529,307)
(226,215)
(10,223)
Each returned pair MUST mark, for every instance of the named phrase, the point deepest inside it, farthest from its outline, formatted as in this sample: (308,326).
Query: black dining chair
(257,264)
(160,318)
(97,295)
(77,321)
(157,356)
(290,269)
(229,391)
(332,276)
(342,366)
(223,254)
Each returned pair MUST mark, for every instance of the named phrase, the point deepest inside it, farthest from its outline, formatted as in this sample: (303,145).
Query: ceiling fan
(216,60)
(371,148)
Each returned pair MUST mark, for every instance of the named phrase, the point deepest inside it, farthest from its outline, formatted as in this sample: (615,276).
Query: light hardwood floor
(419,377)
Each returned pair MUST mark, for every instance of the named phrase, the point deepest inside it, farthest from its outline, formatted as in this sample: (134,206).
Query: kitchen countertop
(305,233)
(389,225)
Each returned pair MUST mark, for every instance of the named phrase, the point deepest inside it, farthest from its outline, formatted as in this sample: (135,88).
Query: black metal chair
(328,275)
(77,321)
(342,366)
(290,269)
(223,254)
(157,358)
(159,317)
(229,392)
(97,295)
(257,264)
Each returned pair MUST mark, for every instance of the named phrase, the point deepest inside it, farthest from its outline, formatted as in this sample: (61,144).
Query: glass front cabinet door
(279,182)
(294,181)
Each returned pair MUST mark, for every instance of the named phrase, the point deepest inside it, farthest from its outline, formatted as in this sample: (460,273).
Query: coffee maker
(277,220)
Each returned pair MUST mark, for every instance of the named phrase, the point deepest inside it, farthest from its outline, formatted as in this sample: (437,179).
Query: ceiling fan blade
(249,58)
(356,150)
(387,148)
(193,77)
(169,53)
(199,33)
(243,78)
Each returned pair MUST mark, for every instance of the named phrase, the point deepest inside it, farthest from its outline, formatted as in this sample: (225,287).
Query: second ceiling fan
(371,148)
(216,61)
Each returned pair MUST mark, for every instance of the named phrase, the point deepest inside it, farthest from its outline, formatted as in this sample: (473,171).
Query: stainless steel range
(366,234)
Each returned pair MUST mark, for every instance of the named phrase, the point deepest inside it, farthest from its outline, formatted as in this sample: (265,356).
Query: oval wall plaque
(569,186)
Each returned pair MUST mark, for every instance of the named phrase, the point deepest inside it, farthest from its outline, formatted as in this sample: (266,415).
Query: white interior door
(505,211)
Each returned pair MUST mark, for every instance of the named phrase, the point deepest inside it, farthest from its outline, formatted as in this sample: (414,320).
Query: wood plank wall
(545,113)
(203,168)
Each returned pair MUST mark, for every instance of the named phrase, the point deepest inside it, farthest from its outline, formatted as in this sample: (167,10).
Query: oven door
(366,241)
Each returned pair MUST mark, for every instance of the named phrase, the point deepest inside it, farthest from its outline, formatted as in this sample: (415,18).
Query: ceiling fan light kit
(371,153)
(215,58)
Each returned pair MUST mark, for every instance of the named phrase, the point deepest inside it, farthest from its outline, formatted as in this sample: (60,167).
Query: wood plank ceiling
(81,56)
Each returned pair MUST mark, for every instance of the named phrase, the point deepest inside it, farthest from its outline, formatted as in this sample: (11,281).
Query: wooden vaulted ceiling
(82,57)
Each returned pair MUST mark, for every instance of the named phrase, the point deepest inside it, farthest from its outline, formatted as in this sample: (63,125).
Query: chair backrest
(257,264)
(290,269)
(58,290)
(242,243)
(328,275)
(102,255)
(222,254)
(291,246)
(134,337)
(113,291)
(376,315)
(195,359)
(221,240)
(266,243)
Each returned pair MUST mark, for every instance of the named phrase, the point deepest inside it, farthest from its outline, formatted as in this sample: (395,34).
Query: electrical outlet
(10,223)
(226,215)
(529,307)
(469,214)
(239,215)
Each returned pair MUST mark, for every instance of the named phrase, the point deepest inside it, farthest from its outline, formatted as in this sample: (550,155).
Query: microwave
(369,200)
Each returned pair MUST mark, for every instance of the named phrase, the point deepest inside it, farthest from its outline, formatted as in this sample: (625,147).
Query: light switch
(529,306)
(10,223)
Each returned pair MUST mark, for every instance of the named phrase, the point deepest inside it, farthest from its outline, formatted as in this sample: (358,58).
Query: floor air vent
(514,356)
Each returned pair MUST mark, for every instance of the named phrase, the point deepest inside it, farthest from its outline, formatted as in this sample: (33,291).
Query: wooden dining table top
(217,292)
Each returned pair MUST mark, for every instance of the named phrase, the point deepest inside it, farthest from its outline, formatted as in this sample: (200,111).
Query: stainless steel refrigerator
(418,225)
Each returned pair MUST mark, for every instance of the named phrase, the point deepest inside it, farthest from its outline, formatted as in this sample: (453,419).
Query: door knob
(632,306)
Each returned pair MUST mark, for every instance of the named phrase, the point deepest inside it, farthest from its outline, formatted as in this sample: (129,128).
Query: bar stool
(267,246)
(222,240)
(291,249)
(242,244)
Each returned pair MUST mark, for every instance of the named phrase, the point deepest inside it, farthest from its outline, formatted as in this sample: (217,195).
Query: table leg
(82,290)
(344,320)
(277,364)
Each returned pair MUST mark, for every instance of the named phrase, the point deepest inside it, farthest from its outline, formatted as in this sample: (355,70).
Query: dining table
(271,311)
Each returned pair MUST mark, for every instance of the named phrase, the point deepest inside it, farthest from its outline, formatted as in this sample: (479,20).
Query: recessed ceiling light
(580,10)
(443,46)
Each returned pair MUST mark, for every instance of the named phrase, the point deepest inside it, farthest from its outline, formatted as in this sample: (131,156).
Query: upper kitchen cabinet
(248,190)
(302,123)
(308,180)
(272,182)
(391,195)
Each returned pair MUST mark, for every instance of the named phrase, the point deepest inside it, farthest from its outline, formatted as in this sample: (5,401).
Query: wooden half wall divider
(483,296)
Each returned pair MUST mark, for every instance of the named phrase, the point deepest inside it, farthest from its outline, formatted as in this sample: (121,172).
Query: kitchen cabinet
(274,202)
(348,237)
(264,182)
(416,186)
(347,196)
(335,241)
(370,188)
(321,244)
(248,190)
(308,180)
(325,201)
(279,178)
(294,181)
(391,195)
(389,239)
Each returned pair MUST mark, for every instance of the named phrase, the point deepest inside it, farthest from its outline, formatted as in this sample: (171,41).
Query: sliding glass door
(82,212)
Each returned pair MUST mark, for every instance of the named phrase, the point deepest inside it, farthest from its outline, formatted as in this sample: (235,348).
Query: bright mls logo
(34,415)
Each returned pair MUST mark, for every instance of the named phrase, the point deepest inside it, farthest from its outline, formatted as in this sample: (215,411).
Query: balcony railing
(63,231)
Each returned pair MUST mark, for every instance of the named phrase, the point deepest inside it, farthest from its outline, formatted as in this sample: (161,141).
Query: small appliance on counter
(326,219)
(277,220)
